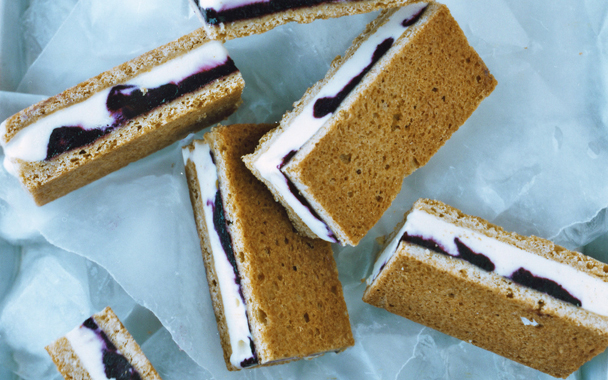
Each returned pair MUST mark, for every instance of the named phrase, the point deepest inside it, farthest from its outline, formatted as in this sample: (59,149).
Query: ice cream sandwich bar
(227,19)
(101,349)
(338,159)
(275,293)
(524,298)
(124,114)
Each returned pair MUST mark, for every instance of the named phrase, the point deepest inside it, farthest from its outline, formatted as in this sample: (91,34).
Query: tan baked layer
(304,15)
(482,308)
(69,364)
(404,110)
(290,283)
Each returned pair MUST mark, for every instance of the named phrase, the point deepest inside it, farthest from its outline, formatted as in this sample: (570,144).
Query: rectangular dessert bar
(101,349)
(275,293)
(124,114)
(524,298)
(338,160)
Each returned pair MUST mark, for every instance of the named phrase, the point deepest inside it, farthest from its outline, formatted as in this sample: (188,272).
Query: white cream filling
(305,125)
(31,143)
(234,307)
(528,322)
(591,291)
(89,348)
(220,5)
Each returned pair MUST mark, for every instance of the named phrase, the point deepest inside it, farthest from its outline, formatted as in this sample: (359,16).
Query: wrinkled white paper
(533,158)
(53,292)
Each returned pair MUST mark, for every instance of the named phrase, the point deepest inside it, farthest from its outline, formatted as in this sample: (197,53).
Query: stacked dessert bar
(101,348)
(337,160)
(524,298)
(276,294)
(124,114)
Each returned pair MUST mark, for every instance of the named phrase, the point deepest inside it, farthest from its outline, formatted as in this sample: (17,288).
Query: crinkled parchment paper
(532,158)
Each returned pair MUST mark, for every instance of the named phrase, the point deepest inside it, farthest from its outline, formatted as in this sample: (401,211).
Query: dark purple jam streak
(520,276)
(465,253)
(550,287)
(414,19)
(327,105)
(221,227)
(296,193)
(476,259)
(126,102)
(252,361)
(425,243)
(116,366)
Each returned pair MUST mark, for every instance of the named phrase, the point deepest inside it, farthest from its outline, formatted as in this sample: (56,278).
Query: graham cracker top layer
(112,77)
(290,282)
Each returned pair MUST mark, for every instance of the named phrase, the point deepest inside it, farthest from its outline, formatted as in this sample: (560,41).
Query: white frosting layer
(30,144)
(220,5)
(305,125)
(88,346)
(234,306)
(591,291)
